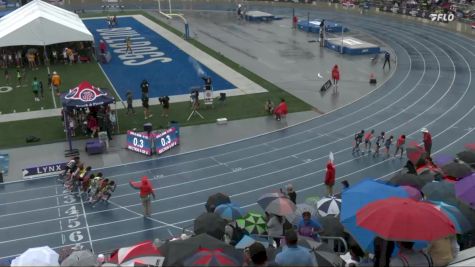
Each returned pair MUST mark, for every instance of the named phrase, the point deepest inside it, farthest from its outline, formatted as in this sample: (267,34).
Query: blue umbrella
(462,225)
(355,198)
(229,211)
(246,241)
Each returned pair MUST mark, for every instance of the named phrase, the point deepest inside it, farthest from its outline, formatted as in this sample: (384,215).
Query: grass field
(50,129)
(21,99)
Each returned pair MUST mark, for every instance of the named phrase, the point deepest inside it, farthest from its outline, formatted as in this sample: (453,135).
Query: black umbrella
(408,179)
(331,226)
(457,170)
(467,157)
(177,251)
(428,176)
(216,200)
(211,224)
(440,191)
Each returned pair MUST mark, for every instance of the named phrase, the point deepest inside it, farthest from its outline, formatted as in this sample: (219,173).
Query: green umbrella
(253,223)
(312,201)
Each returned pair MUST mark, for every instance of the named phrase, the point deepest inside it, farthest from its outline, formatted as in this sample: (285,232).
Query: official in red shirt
(330,177)
(146,191)
(280,110)
(335,74)
(427,139)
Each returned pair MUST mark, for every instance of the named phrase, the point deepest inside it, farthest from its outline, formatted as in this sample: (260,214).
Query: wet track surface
(432,87)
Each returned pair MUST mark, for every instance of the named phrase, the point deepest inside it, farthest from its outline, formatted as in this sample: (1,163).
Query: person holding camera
(208,82)
(144,86)
(165,102)
(146,106)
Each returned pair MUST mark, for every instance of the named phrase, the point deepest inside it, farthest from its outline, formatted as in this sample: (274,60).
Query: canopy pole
(71,152)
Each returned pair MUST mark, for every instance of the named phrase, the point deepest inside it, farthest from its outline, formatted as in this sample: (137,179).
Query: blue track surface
(432,87)
(169,70)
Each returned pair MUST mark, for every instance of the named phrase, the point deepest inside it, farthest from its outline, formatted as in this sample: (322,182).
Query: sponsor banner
(45,170)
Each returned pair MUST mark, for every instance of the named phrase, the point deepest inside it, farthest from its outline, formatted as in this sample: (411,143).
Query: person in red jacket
(281,110)
(146,191)
(330,177)
(335,75)
(427,139)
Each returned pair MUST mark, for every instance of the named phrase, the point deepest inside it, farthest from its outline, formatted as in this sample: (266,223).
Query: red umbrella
(415,152)
(470,146)
(206,257)
(404,219)
(144,251)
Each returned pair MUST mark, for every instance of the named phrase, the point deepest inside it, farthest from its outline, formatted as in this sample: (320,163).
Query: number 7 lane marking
(87,225)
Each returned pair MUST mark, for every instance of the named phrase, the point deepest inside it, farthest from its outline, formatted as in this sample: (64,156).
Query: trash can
(1,177)
(104,138)
(176,125)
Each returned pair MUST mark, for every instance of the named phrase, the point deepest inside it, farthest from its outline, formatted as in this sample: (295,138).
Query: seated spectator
(407,256)
(441,251)
(294,255)
(256,255)
(92,125)
(269,106)
(281,110)
(308,227)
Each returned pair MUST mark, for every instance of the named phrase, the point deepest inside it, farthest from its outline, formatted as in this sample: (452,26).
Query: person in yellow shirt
(56,82)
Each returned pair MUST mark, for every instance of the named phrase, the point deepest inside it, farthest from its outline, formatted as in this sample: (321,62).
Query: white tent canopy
(40,23)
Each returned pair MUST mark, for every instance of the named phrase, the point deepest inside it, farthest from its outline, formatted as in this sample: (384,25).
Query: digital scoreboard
(139,142)
(166,140)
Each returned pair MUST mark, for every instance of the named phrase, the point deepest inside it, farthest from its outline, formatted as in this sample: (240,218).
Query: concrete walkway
(191,138)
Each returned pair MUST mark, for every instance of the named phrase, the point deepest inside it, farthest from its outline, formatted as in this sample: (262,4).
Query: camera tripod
(195,111)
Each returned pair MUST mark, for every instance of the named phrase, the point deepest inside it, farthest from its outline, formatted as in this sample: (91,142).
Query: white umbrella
(40,256)
(329,206)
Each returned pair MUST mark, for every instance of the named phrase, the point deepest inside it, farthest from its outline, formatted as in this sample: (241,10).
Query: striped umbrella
(276,203)
(229,211)
(329,205)
(415,152)
(206,257)
(253,223)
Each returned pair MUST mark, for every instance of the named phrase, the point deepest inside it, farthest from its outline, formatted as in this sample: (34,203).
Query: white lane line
(85,220)
(148,218)
(456,122)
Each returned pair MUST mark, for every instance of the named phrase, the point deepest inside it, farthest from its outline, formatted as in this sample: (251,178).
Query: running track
(432,87)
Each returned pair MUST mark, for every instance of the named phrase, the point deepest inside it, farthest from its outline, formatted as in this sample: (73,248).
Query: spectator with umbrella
(291,193)
(146,192)
(308,227)
(407,256)
(275,227)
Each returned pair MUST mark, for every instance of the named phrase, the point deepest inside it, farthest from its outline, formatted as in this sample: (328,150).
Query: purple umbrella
(442,159)
(465,190)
